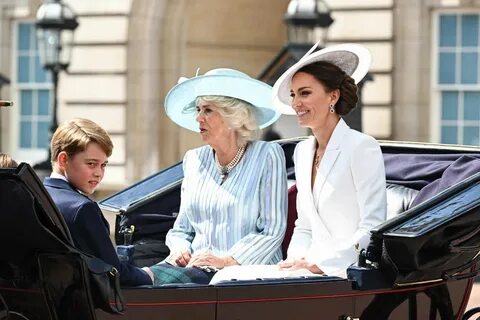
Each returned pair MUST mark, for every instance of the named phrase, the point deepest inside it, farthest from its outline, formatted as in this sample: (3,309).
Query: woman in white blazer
(340,173)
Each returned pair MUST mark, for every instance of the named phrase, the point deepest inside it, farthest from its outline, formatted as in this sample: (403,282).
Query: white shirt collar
(56,175)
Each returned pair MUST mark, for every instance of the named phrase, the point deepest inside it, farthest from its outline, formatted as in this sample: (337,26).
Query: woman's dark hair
(332,77)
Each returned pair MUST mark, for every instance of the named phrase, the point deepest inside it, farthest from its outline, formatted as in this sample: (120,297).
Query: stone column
(153,57)
(412,63)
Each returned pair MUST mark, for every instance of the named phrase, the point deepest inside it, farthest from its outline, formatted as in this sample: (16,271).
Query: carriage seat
(399,199)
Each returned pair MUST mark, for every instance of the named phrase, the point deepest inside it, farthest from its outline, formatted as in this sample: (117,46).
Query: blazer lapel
(303,170)
(330,156)
(326,165)
(307,152)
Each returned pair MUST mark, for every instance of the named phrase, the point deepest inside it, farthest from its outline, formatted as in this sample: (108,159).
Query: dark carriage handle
(465,276)
(455,273)
(454,246)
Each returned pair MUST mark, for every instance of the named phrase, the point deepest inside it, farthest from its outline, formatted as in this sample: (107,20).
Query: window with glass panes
(459,78)
(34,91)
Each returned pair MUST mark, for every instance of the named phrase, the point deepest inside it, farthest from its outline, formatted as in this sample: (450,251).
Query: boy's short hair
(7,162)
(73,137)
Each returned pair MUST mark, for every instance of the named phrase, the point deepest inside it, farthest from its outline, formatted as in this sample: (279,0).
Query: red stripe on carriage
(362,293)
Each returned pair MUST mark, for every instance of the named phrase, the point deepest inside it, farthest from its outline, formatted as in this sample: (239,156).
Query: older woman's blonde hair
(74,136)
(6,161)
(238,115)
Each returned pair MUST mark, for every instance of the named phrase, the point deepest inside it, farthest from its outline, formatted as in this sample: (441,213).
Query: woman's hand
(296,264)
(180,259)
(209,259)
(206,259)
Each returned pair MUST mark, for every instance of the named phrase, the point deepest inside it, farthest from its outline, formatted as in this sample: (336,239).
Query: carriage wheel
(467,315)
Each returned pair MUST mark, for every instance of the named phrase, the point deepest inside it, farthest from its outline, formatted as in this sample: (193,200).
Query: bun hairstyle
(332,77)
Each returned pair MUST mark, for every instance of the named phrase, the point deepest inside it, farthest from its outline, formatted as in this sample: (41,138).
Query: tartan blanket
(165,273)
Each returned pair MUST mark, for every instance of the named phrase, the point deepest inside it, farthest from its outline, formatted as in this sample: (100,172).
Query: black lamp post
(3,103)
(55,24)
(308,21)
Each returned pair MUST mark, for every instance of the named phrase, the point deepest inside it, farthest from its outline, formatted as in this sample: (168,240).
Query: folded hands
(206,258)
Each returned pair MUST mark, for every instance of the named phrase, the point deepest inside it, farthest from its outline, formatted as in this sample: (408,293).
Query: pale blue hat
(180,100)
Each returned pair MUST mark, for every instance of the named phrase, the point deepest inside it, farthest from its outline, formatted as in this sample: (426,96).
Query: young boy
(6,161)
(80,149)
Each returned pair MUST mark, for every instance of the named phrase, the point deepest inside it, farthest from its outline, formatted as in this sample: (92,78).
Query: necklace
(316,161)
(318,158)
(225,170)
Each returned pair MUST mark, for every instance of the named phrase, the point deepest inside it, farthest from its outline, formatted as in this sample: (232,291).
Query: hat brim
(180,100)
(353,59)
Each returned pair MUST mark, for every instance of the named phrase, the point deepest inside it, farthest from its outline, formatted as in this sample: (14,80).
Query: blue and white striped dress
(245,217)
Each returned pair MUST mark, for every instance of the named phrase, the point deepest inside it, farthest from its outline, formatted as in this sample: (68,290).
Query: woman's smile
(301,113)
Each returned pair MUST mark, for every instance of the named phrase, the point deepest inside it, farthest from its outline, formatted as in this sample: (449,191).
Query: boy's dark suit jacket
(89,229)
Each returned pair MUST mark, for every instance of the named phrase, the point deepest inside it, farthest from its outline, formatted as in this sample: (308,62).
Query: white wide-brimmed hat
(180,100)
(352,58)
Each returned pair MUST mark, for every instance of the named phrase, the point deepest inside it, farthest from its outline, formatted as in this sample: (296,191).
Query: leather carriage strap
(455,246)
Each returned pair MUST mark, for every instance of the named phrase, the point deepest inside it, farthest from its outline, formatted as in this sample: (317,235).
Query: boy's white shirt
(56,175)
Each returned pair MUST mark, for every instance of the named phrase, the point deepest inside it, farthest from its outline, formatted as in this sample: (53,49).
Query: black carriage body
(418,281)
(42,275)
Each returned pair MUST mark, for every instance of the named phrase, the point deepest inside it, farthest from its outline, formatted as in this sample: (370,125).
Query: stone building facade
(129,53)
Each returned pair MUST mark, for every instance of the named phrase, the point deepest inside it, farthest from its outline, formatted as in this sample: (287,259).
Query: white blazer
(348,199)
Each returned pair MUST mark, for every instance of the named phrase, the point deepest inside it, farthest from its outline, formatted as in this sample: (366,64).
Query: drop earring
(331,108)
